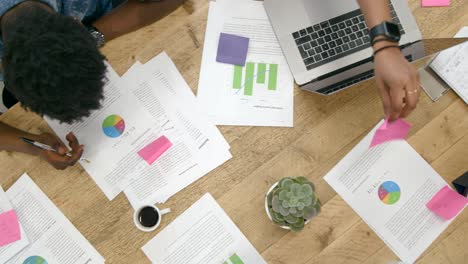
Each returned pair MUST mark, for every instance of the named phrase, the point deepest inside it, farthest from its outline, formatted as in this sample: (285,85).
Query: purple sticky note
(429,3)
(9,228)
(232,49)
(447,203)
(397,130)
(155,149)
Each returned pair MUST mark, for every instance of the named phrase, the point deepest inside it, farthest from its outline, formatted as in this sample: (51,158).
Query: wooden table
(325,129)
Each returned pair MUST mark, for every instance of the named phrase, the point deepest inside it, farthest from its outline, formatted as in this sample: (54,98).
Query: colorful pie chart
(113,126)
(35,260)
(389,192)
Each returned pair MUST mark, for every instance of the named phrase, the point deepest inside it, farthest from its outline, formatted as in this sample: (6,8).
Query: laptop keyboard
(335,38)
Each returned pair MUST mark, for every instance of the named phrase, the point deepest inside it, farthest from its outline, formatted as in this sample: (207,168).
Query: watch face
(99,38)
(393,30)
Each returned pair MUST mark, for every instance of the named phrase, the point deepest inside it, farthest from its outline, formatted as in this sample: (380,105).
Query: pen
(46,147)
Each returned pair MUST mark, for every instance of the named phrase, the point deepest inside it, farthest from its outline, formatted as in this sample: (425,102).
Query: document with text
(112,136)
(451,65)
(8,251)
(53,238)
(204,233)
(198,148)
(389,186)
(257,94)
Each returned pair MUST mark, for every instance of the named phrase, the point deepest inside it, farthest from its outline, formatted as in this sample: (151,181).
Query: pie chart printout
(35,260)
(113,126)
(389,192)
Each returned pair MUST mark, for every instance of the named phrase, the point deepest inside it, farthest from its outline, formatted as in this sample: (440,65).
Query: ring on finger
(412,92)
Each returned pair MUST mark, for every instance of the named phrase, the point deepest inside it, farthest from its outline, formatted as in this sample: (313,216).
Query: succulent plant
(292,202)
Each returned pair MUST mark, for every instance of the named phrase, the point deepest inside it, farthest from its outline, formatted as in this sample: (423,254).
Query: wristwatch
(388,30)
(97,36)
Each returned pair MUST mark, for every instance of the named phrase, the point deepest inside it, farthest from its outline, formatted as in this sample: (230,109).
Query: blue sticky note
(232,49)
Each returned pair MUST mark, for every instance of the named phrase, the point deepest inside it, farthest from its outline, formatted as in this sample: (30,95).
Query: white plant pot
(268,211)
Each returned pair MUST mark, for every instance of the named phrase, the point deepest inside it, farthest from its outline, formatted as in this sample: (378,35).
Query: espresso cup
(148,217)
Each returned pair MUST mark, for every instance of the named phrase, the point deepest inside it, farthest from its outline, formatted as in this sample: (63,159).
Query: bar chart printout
(203,234)
(234,259)
(261,93)
(255,74)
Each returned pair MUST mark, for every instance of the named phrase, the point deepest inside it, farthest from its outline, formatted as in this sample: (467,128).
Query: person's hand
(398,82)
(59,159)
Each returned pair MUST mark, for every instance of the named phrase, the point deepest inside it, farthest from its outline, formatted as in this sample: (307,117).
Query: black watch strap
(388,30)
(383,39)
(97,36)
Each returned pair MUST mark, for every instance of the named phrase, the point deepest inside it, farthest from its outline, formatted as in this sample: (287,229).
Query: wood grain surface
(325,129)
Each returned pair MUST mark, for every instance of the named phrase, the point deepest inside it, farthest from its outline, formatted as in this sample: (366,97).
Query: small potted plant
(292,202)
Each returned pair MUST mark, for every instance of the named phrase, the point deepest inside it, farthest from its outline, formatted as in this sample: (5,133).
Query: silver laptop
(327,45)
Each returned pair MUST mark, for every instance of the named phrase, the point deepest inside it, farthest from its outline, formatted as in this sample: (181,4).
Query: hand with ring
(398,83)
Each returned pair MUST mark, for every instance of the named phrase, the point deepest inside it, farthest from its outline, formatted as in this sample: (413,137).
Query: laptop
(327,44)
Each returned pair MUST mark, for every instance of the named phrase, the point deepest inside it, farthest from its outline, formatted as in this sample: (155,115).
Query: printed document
(53,237)
(8,251)
(112,136)
(200,147)
(204,233)
(462,33)
(389,186)
(257,94)
(451,65)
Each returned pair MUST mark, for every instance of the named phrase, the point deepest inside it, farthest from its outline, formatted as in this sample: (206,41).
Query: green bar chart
(237,83)
(249,78)
(253,74)
(261,72)
(234,259)
(272,77)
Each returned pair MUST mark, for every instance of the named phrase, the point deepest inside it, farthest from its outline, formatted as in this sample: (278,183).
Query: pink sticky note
(155,149)
(9,228)
(429,3)
(397,130)
(447,203)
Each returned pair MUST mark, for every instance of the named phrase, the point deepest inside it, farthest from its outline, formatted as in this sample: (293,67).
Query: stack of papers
(151,101)
(451,65)
(389,186)
(257,94)
(112,137)
(204,233)
(52,237)
(199,147)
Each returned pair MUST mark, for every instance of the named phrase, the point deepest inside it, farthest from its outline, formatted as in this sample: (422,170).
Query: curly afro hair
(52,65)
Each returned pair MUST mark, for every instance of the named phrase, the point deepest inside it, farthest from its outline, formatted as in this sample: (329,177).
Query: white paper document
(452,65)
(462,33)
(198,147)
(8,251)
(53,238)
(204,233)
(112,136)
(261,92)
(148,102)
(389,186)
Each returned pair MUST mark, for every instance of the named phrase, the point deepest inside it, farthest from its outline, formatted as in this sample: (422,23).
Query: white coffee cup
(139,222)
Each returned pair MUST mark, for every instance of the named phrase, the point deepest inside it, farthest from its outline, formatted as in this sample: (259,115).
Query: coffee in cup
(147,218)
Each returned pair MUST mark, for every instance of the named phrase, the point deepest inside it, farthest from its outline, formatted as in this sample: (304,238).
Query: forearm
(133,15)
(9,140)
(375,11)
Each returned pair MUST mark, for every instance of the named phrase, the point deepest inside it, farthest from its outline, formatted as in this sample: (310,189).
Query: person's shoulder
(6,5)
(85,8)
